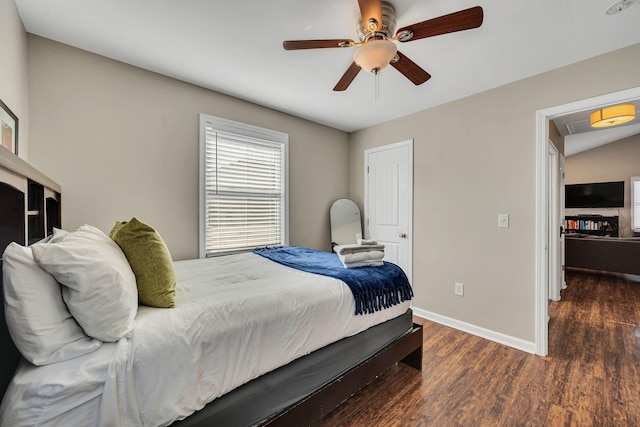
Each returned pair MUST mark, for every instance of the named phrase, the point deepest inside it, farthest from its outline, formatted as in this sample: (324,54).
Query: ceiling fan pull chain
(376,85)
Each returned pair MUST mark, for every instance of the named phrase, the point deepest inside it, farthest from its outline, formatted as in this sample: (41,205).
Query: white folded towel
(367,242)
(354,248)
(353,256)
(364,264)
(362,256)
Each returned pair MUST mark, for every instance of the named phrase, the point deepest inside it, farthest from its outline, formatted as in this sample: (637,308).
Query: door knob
(403,235)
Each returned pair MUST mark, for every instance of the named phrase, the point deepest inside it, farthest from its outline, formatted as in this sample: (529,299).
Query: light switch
(503,220)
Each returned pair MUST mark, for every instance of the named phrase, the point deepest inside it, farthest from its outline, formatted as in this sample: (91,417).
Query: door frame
(541,254)
(407,143)
(563,281)
(554,220)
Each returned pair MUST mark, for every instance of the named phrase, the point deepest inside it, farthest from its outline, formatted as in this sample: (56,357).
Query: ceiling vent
(578,127)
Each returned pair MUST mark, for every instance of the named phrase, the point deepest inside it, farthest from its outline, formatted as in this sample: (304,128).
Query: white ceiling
(235,47)
(577,143)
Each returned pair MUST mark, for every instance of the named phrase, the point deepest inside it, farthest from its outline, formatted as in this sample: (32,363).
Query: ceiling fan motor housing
(384,31)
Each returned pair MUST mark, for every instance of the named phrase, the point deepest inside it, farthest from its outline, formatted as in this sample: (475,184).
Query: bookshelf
(596,225)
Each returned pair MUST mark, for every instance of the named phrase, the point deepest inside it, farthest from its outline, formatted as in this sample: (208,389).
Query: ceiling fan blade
(347,77)
(410,69)
(371,9)
(457,21)
(316,44)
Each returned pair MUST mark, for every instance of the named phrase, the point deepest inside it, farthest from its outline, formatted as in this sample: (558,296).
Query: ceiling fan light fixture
(613,116)
(375,55)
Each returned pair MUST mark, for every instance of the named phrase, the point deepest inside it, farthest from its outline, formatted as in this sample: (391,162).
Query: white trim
(554,221)
(478,331)
(563,281)
(243,129)
(408,143)
(202,252)
(541,273)
(286,192)
(542,135)
(633,181)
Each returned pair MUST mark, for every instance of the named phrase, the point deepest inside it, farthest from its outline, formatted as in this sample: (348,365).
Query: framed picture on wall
(8,129)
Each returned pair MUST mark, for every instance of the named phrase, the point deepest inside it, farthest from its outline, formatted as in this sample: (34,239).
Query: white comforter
(236,318)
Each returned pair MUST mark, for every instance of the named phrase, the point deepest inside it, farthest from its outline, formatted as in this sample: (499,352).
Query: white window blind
(635,203)
(244,183)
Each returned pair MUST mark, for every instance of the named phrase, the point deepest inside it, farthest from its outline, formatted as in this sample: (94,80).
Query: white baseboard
(517,343)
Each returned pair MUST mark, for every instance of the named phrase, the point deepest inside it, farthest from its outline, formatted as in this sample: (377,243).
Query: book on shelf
(587,224)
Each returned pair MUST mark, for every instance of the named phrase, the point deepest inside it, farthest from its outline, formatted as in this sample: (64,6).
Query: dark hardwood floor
(590,378)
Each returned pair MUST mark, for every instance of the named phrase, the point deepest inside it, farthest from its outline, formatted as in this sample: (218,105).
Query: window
(635,203)
(243,186)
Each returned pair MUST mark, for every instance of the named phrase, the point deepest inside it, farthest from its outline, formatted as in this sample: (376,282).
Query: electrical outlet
(459,289)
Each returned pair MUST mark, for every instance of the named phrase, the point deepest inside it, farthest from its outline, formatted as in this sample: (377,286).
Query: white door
(389,201)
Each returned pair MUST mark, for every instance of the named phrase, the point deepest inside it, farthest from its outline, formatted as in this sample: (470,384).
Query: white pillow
(57,236)
(38,319)
(99,286)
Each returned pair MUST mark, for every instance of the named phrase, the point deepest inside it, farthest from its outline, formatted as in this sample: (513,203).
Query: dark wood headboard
(12,229)
(12,216)
(29,209)
(9,356)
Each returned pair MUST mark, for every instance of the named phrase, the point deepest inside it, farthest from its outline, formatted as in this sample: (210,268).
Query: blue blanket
(373,288)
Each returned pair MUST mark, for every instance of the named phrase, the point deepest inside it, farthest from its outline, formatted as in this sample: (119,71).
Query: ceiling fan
(376,49)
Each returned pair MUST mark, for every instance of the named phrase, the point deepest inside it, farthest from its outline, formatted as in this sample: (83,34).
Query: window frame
(246,130)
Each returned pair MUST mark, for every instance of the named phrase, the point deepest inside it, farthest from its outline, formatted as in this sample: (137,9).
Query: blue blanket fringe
(373,288)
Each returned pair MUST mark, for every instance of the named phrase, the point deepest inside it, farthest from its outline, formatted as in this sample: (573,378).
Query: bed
(325,361)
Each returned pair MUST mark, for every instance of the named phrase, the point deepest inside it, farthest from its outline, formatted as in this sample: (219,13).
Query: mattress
(270,395)
(236,318)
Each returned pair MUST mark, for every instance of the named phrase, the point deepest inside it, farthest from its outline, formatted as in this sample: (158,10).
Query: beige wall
(123,142)
(617,161)
(473,159)
(13,69)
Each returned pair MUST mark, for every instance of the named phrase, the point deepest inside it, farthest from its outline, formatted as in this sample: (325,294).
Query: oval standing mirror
(346,226)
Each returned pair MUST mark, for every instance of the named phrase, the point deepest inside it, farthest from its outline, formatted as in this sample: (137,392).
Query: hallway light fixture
(613,116)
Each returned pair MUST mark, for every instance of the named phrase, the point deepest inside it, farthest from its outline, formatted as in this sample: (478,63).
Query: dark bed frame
(298,394)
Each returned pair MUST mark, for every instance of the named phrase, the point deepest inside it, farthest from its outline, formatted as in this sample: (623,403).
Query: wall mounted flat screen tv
(595,195)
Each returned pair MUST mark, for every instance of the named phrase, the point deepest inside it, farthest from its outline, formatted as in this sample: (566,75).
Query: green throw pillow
(150,261)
